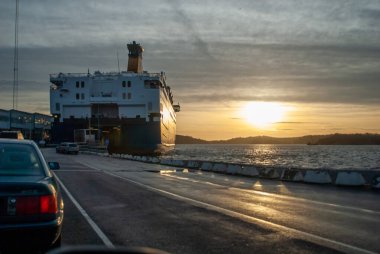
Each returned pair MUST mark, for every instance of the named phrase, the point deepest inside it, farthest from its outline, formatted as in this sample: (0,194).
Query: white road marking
(346,248)
(263,193)
(77,170)
(282,196)
(95,227)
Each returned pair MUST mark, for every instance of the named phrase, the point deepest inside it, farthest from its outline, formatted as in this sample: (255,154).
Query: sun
(263,114)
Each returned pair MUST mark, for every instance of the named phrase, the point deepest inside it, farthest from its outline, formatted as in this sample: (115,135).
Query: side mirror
(53,165)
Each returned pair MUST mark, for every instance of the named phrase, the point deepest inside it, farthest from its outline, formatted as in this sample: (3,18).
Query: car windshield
(72,145)
(19,159)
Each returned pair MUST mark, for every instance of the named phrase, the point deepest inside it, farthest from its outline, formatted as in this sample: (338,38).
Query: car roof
(16,141)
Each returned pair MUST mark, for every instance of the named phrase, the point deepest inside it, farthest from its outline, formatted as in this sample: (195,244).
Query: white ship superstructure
(132,109)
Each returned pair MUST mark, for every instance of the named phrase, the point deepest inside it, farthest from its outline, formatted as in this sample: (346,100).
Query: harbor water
(289,156)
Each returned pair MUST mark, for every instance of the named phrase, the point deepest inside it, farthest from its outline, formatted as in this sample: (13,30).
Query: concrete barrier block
(155,160)
(350,179)
(312,176)
(376,182)
(206,166)
(219,167)
(270,173)
(293,175)
(193,164)
(178,163)
(166,161)
(233,169)
(249,171)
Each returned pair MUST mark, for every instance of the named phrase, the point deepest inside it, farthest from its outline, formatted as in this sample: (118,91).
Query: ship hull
(132,136)
(144,138)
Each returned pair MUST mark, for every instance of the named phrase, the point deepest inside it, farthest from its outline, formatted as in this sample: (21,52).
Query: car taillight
(48,204)
(36,205)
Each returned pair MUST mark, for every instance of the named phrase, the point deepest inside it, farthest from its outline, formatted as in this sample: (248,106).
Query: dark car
(31,205)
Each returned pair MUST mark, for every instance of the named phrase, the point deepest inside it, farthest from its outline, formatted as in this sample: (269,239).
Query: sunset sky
(238,68)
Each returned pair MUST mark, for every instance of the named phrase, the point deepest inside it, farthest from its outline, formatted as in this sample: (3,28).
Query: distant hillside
(180,139)
(349,139)
(333,139)
(269,140)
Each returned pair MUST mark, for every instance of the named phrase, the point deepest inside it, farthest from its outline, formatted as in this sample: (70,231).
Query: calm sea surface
(297,156)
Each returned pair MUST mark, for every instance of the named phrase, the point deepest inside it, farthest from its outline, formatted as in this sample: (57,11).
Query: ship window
(82,84)
(129,83)
(152,84)
(129,96)
(124,96)
(82,96)
(77,96)
(57,107)
(77,84)
(124,83)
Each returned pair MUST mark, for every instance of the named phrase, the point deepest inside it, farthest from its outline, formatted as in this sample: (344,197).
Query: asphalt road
(136,204)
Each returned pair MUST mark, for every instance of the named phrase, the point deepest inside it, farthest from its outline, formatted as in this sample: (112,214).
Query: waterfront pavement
(127,203)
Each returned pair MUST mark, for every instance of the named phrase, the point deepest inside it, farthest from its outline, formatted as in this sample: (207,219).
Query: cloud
(181,16)
(215,52)
(288,73)
(292,122)
(372,16)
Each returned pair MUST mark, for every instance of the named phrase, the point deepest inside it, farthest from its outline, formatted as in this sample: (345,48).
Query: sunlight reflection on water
(297,156)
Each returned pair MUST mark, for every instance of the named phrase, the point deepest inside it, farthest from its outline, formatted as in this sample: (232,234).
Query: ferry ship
(131,112)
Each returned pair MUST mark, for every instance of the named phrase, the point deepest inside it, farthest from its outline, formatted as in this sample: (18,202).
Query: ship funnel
(135,57)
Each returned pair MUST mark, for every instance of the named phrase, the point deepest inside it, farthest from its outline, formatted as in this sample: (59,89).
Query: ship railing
(150,74)
(63,75)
